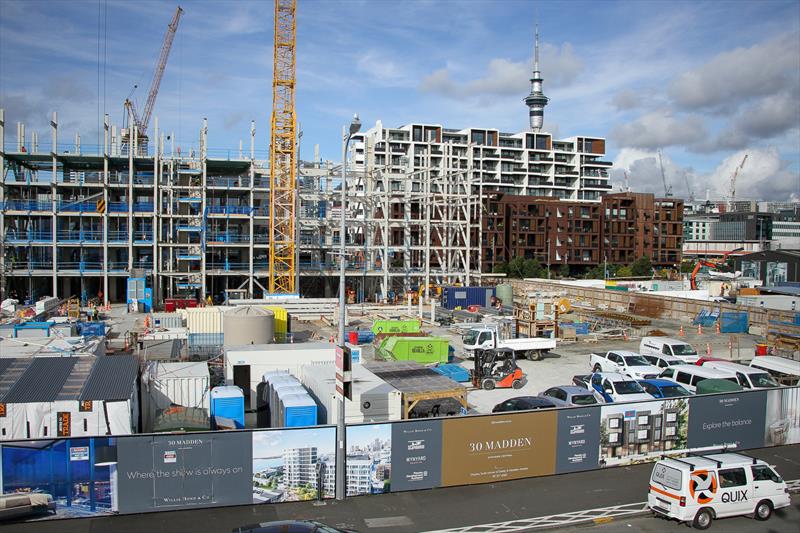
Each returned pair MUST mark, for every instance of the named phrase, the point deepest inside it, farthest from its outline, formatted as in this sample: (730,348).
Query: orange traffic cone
(699,329)
(681,332)
(716,327)
(708,348)
(625,335)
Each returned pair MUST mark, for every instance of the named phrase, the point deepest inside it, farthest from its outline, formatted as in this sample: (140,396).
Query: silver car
(570,396)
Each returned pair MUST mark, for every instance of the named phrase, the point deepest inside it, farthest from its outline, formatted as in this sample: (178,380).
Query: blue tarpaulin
(732,322)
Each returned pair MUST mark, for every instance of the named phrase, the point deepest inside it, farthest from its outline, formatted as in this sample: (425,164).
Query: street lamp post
(341,437)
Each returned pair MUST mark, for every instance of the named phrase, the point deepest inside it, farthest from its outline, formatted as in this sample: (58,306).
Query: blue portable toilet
(227,402)
(297,410)
(279,391)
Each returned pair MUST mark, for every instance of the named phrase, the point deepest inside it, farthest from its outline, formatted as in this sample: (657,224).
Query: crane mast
(142,122)
(732,196)
(667,189)
(282,153)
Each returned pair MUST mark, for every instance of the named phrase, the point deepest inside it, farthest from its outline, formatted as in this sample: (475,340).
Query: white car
(624,362)
(614,388)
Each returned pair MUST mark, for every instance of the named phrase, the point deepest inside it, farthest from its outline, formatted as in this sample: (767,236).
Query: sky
(705,83)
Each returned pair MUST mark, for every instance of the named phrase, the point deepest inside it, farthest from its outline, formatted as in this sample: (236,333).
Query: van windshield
(636,360)
(762,380)
(683,349)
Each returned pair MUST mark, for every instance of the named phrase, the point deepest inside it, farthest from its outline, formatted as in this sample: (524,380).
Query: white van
(747,376)
(700,489)
(785,371)
(667,346)
(690,375)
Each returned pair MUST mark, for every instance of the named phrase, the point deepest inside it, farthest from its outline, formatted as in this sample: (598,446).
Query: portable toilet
(263,394)
(227,402)
(297,410)
(275,408)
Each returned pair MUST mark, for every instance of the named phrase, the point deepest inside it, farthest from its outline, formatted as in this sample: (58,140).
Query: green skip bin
(420,349)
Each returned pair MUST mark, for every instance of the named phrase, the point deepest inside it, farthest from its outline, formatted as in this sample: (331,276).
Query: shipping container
(227,403)
(167,321)
(464,297)
(395,326)
(173,384)
(203,319)
(421,349)
(374,400)
(245,365)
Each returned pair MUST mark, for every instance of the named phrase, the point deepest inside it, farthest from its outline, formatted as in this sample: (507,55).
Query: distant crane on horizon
(732,196)
(667,188)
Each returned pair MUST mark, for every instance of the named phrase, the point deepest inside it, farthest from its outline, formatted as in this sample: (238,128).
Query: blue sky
(705,82)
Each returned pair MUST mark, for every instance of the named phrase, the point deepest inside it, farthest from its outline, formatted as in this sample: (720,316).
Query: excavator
(718,264)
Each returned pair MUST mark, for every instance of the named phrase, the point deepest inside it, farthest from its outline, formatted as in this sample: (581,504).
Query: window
(742,379)
(665,350)
(684,378)
(650,389)
(85,425)
(668,373)
(765,473)
(613,438)
(732,477)
(613,423)
(669,431)
(485,336)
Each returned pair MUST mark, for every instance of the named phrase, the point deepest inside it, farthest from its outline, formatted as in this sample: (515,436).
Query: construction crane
(282,152)
(627,181)
(688,186)
(141,122)
(667,188)
(732,195)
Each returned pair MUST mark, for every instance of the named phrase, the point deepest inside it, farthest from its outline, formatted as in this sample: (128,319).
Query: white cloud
(660,129)
(382,70)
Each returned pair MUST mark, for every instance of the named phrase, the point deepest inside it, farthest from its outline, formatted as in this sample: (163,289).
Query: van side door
(735,492)
(767,484)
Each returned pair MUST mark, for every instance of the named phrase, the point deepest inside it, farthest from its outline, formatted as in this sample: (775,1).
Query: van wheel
(703,519)
(763,510)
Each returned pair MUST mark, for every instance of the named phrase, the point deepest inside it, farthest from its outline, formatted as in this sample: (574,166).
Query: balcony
(79,236)
(26,205)
(30,265)
(143,236)
(143,207)
(229,210)
(118,236)
(76,206)
(229,181)
(227,238)
(228,266)
(117,207)
(81,266)
(24,237)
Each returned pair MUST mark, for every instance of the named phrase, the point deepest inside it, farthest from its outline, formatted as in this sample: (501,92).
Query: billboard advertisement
(500,447)
(782,425)
(369,459)
(725,419)
(638,432)
(164,472)
(291,465)
(416,455)
(578,440)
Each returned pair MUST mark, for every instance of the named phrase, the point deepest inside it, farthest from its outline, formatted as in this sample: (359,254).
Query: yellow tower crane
(282,152)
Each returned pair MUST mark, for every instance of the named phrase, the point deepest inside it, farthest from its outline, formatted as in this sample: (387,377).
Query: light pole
(341,437)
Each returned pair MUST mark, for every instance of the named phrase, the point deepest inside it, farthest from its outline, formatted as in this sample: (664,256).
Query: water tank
(248,325)
(505,293)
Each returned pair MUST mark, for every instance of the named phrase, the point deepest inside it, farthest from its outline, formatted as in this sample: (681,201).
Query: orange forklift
(497,368)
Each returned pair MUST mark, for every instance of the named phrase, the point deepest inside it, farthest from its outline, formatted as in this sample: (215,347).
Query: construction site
(432,274)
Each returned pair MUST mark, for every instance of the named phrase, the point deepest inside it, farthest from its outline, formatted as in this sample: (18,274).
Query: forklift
(497,368)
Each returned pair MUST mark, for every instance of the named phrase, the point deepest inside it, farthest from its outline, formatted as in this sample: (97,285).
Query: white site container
(247,364)
(203,319)
(167,384)
(374,400)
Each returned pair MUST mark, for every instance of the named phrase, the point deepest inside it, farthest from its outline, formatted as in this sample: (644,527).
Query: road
(518,503)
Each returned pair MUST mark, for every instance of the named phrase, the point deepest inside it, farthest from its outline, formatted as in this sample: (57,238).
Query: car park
(700,489)
(785,371)
(524,403)
(668,346)
(662,360)
(690,375)
(570,396)
(624,362)
(663,388)
(747,376)
(613,387)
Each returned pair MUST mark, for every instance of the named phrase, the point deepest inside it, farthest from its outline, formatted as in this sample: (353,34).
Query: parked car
(570,396)
(747,376)
(613,387)
(668,346)
(624,362)
(291,526)
(699,489)
(524,403)
(662,361)
(785,371)
(690,375)
(663,388)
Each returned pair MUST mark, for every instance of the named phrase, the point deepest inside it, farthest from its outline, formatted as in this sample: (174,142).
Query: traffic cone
(716,327)
(708,348)
(681,332)
(625,334)
(699,329)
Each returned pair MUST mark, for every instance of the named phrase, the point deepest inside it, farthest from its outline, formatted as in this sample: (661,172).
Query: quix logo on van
(703,486)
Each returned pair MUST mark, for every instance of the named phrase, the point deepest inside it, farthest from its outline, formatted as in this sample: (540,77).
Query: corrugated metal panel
(166,320)
(10,371)
(112,378)
(205,339)
(204,319)
(42,381)
(281,318)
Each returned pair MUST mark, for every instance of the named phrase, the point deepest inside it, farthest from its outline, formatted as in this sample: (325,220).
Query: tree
(500,268)
(596,272)
(642,267)
(532,269)
(623,272)
(563,270)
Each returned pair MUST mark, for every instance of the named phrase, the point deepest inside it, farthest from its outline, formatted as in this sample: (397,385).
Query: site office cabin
(699,489)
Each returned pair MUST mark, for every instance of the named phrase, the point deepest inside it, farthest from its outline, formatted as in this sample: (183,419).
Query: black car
(524,403)
(291,526)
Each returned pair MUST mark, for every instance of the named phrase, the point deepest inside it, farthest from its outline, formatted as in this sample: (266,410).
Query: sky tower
(536,100)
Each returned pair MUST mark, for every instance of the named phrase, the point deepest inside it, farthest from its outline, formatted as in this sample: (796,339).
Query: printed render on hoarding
(369,459)
(782,425)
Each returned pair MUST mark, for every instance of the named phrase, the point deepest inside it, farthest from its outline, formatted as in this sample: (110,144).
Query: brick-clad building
(620,228)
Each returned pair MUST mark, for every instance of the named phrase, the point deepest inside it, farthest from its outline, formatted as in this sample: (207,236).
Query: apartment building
(619,229)
(640,432)
(300,467)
